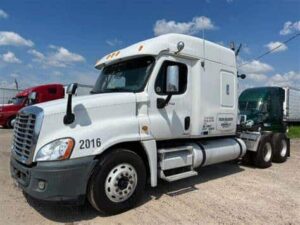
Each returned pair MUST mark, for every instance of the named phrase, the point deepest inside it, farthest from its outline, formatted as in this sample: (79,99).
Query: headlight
(56,150)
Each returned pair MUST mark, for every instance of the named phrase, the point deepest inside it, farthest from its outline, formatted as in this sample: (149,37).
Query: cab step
(178,176)
(175,149)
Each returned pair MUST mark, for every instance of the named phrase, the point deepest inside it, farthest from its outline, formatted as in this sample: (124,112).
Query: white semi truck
(161,109)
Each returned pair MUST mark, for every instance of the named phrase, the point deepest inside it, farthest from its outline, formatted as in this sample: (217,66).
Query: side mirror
(172,82)
(71,89)
(172,85)
(32,98)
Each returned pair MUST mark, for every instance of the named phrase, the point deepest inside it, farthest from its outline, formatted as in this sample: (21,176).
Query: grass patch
(294,131)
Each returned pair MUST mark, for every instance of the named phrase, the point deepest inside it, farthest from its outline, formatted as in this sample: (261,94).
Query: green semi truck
(265,114)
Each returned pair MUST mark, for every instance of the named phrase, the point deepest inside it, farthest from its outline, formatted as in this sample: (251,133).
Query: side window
(160,83)
(52,91)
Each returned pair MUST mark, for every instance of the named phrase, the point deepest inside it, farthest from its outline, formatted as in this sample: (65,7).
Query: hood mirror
(71,90)
(32,98)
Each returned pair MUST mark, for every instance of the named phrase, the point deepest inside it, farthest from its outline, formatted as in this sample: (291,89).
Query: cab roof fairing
(27,91)
(154,46)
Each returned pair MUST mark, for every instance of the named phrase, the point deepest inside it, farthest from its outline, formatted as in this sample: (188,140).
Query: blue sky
(60,40)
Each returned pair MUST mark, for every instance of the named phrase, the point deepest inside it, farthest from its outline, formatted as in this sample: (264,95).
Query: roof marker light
(141,47)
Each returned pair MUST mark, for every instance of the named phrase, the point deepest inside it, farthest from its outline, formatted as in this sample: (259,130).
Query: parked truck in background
(160,109)
(265,113)
(27,97)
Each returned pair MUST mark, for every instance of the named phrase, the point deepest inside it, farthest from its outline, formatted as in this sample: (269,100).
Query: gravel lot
(227,193)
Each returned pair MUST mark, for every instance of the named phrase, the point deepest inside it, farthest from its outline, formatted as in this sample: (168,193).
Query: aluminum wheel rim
(267,152)
(12,122)
(283,148)
(121,182)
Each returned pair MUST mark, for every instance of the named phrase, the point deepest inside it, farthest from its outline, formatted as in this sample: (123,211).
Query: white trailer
(291,104)
(161,109)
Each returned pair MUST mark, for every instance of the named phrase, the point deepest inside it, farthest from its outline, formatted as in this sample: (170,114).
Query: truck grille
(23,137)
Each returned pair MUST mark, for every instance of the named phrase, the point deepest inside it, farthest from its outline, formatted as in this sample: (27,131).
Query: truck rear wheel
(264,155)
(118,182)
(280,143)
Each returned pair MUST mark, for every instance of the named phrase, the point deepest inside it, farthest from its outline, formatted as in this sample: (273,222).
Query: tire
(248,158)
(264,155)
(118,182)
(9,123)
(281,147)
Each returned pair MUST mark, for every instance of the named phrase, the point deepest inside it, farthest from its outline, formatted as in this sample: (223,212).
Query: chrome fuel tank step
(181,161)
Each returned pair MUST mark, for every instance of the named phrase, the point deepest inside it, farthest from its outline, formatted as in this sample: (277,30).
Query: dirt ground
(227,193)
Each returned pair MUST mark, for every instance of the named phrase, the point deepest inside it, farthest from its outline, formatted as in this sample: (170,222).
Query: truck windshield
(249,105)
(126,76)
(252,100)
(17,100)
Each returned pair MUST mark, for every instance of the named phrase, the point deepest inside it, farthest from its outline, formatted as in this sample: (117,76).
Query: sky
(59,41)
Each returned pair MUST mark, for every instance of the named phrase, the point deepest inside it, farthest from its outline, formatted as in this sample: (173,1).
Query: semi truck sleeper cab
(160,109)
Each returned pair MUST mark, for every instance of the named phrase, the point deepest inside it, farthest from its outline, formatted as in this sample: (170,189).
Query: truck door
(173,120)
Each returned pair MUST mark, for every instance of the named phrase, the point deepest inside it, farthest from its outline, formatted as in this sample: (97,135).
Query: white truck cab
(160,109)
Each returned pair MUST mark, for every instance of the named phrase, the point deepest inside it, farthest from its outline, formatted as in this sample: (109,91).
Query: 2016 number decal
(90,143)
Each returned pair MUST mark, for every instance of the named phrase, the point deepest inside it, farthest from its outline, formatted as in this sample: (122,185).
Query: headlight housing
(59,149)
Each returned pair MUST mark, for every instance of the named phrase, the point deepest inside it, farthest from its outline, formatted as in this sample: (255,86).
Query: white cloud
(257,77)
(290,78)
(10,57)
(63,57)
(290,27)
(60,57)
(246,49)
(114,42)
(254,67)
(277,46)
(14,75)
(38,55)
(192,27)
(12,38)
(255,71)
(3,14)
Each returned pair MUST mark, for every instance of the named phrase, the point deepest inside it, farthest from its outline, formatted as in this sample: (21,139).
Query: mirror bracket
(70,117)
(161,103)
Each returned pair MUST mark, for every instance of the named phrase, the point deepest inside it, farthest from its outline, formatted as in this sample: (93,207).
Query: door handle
(187,122)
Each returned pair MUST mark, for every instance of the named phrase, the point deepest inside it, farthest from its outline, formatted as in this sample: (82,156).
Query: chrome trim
(26,133)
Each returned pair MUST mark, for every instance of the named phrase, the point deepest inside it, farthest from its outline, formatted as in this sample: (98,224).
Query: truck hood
(87,102)
(9,108)
(107,116)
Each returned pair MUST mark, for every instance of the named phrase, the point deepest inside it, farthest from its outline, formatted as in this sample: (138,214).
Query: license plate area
(22,175)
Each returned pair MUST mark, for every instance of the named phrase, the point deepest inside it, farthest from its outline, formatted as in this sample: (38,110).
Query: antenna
(203,62)
(232,45)
(238,50)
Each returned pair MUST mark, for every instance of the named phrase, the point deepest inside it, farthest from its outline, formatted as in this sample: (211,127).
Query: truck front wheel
(11,122)
(280,143)
(264,155)
(118,182)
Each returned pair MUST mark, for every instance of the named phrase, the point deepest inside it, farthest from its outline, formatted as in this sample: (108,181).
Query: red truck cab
(34,95)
